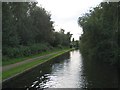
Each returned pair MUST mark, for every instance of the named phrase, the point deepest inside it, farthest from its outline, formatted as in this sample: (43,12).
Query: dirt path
(7,67)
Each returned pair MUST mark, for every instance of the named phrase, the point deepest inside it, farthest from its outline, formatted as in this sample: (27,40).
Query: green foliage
(27,50)
(100,33)
(62,39)
(28,30)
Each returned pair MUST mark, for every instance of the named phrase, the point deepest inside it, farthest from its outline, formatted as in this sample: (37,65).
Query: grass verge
(22,68)
(15,60)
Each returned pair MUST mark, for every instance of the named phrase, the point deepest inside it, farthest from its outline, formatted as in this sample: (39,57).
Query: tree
(99,40)
(28,29)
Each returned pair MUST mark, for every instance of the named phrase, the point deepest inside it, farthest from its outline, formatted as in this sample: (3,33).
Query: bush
(21,51)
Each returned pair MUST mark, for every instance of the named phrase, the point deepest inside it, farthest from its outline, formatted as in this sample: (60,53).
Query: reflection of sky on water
(67,74)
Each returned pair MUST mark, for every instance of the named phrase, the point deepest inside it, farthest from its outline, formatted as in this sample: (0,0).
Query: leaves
(99,39)
(27,29)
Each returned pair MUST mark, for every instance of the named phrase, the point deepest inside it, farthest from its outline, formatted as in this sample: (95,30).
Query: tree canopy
(100,32)
(28,29)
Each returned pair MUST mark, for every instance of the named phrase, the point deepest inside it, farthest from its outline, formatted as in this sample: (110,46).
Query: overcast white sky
(65,13)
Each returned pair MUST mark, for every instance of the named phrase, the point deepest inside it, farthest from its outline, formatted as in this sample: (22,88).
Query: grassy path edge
(23,68)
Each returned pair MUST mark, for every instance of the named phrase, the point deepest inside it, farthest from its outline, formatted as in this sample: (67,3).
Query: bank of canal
(13,70)
(69,70)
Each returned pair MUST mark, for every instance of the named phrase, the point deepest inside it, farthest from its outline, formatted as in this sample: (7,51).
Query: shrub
(13,52)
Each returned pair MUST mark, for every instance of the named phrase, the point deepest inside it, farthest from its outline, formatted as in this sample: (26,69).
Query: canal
(69,70)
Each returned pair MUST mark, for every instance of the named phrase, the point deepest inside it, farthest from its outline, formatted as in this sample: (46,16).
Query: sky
(65,13)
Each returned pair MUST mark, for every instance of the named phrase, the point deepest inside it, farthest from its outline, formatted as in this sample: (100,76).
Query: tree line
(100,38)
(27,29)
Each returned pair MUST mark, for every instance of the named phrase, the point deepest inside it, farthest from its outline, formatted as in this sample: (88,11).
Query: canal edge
(35,65)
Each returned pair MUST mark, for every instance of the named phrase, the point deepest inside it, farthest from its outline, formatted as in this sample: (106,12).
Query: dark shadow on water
(100,74)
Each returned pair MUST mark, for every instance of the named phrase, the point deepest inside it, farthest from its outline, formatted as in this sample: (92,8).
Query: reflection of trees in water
(99,75)
(62,58)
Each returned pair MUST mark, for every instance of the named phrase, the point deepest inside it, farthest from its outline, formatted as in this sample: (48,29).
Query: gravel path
(7,67)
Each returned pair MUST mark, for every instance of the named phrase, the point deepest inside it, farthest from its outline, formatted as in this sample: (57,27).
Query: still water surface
(69,70)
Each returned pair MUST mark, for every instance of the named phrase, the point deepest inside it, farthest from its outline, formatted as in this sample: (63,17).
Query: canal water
(69,70)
